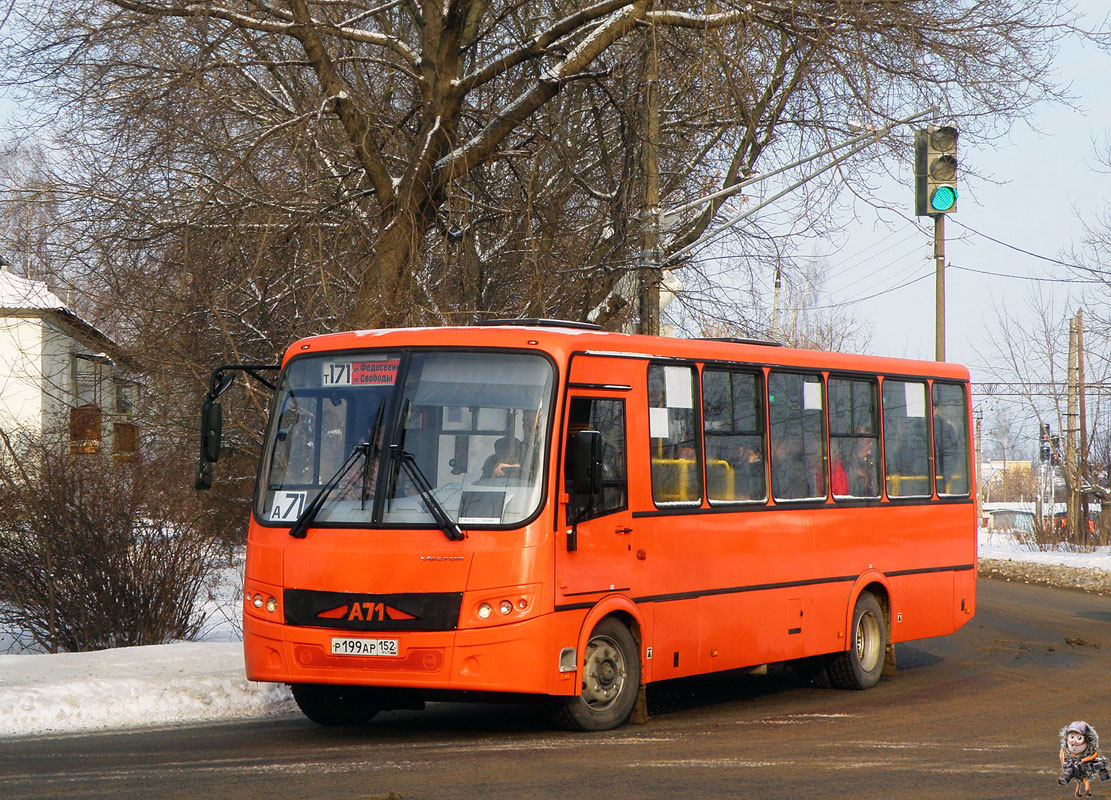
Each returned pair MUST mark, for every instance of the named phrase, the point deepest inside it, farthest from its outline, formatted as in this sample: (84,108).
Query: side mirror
(212,429)
(584,463)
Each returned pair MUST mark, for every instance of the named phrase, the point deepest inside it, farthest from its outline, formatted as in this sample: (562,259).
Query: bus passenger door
(595,556)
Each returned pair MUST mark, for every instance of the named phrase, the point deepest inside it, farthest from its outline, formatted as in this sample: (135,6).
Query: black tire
(610,681)
(335,706)
(860,666)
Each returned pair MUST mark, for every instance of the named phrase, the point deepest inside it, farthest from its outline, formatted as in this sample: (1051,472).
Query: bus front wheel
(610,681)
(860,666)
(335,706)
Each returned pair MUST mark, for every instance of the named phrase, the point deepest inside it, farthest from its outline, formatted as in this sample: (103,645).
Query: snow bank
(1003,546)
(131,687)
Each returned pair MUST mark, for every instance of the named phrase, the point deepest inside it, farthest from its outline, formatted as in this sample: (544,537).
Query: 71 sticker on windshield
(360,373)
(287,506)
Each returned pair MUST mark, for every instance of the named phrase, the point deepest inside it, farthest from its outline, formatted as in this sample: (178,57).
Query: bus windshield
(474,424)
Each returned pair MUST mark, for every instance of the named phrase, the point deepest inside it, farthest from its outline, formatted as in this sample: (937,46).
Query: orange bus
(538,507)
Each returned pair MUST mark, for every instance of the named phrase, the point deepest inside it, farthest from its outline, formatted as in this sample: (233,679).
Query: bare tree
(430,150)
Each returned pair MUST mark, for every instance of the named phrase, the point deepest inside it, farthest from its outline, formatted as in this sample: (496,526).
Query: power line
(877,294)
(1031,389)
(1030,253)
(1023,277)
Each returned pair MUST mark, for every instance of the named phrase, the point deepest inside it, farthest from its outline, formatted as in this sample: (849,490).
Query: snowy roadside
(1002,557)
(131,687)
(139,687)
(187,682)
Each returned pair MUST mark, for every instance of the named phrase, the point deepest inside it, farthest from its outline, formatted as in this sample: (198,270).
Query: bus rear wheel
(860,666)
(335,706)
(610,681)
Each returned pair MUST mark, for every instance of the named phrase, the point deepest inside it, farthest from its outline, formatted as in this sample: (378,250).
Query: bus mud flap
(639,716)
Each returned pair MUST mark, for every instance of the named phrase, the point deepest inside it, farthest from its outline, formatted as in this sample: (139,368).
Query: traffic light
(935,170)
(1045,452)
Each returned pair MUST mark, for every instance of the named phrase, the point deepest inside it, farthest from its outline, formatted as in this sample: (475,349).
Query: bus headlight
(500,606)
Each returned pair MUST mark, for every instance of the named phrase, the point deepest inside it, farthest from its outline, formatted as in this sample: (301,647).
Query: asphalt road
(973,715)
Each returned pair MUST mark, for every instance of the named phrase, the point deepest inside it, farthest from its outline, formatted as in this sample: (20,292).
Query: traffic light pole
(939,299)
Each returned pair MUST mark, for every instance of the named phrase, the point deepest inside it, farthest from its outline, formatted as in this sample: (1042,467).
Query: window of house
(86,380)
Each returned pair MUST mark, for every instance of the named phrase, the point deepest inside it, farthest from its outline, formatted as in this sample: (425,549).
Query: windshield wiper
(409,463)
(364,449)
(301,526)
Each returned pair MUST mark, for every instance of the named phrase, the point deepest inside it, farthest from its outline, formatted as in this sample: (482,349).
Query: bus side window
(905,439)
(950,423)
(673,437)
(853,438)
(796,421)
(733,424)
(608,418)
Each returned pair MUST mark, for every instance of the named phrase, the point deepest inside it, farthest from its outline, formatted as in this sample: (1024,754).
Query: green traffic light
(943,198)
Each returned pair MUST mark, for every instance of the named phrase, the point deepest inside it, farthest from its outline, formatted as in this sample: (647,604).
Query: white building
(59,374)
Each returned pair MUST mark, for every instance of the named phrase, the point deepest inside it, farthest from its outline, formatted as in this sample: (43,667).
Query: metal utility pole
(1082,443)
(939,292)
(1071,427)
(650,273)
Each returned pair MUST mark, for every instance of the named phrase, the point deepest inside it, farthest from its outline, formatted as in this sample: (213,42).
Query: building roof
(21,294)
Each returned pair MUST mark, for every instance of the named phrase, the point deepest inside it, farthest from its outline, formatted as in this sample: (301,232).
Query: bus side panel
(924,606)
(964,597)
(667,581)
(751,617)
(674,639)
(827,632)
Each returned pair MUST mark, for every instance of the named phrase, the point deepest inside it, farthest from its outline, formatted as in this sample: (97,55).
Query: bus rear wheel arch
(610,670)
(860,666)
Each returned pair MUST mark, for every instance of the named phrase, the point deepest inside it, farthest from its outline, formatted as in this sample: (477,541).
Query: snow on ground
(136,687)
(1004,546)
(201,681)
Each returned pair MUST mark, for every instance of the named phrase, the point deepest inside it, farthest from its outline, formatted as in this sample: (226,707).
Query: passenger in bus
(838,476)
(788,467)
(505,461)
(853,469)
(862,467)
(748,473)
(947,447)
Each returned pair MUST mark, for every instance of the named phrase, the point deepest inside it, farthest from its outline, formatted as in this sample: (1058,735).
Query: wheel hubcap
(868,641)
(604,672)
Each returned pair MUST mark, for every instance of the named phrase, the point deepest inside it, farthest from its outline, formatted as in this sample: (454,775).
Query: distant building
(58,373)
(1008,481)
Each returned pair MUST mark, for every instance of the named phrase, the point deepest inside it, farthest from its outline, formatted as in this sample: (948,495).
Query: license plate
(364,647)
